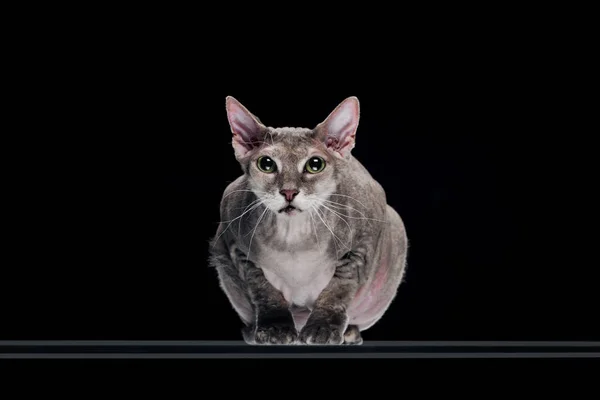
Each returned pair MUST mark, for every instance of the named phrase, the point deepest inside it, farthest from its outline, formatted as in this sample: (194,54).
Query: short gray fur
(319,273)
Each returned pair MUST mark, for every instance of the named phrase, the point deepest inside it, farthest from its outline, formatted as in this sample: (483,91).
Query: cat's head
(293,169)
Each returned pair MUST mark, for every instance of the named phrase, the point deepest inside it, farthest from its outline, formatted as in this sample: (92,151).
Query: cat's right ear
(248,132)
(338,131)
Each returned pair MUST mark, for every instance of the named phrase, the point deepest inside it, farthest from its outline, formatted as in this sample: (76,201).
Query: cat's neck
(293,231)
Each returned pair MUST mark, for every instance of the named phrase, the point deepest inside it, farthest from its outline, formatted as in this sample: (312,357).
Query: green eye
(315,165)
(266,164)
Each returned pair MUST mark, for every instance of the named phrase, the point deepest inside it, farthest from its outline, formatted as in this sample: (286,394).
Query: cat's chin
(289,210)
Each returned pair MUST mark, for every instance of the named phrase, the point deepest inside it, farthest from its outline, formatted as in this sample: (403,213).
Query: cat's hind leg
(352,336)
(248,334)
(236,291)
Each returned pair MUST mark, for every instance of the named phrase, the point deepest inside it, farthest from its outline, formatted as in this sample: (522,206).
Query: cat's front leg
(274,323)
(329,319)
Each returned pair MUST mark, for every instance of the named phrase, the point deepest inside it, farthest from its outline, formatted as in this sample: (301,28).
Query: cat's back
(361,189)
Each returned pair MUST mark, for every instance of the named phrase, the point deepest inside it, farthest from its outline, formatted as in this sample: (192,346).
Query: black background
(133,151)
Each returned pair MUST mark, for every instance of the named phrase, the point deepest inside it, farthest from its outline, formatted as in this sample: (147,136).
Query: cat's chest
(293,261)
(299,275)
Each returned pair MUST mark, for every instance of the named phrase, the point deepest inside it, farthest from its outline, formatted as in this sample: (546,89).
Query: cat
(307,251)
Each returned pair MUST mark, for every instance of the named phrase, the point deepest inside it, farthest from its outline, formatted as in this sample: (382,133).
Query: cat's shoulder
(363,185)
(359,173)
(238,184)
(235,193)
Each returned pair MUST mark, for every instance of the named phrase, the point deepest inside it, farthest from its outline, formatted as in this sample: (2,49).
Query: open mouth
(288,209)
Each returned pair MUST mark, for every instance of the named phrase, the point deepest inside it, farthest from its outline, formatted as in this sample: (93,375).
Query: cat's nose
(289,194)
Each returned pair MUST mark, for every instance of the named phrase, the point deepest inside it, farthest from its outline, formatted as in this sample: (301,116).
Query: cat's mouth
(288,209)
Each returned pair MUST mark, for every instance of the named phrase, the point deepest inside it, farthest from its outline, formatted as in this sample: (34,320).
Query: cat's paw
(277,333)
(321,333)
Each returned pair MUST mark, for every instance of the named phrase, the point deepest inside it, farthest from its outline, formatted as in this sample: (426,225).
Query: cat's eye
(315,165)
(266,164)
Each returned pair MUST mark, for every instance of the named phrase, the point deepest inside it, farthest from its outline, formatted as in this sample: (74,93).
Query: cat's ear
(338,131)
(248,132)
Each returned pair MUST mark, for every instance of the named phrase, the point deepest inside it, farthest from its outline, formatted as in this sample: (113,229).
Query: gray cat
(308,251)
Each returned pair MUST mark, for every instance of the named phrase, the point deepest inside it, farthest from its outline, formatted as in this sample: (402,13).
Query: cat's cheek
(325,186)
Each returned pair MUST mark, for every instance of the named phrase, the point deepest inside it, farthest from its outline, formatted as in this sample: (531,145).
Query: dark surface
(236,349)
(131,152)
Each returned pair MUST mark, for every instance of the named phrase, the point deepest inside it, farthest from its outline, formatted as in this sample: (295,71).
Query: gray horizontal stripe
(243,344)
(300,355)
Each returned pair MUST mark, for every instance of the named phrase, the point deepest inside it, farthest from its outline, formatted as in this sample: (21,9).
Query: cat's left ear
(248,132)
(338,131)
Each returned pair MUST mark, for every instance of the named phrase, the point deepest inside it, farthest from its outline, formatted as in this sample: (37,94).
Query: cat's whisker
(330,230)
(271,136)
(252,237)
(260,202)
(240,223)
(353,217)
(246,207)
(350,197)
(340,205)
(243,212)
(318,215)
(340,217)
(312,218)
(336,239)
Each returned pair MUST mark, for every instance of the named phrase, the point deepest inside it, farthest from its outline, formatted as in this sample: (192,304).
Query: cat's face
(292,170)
(292,173)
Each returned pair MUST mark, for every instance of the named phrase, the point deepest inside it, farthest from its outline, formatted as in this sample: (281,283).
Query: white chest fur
(300,272)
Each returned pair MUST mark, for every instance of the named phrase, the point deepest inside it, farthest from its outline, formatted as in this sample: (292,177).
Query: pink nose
(289,194)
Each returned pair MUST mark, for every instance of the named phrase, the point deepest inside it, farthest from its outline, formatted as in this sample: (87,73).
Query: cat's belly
(300,276)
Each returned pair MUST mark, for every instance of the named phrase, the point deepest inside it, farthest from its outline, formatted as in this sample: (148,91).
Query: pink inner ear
(241,123)
(341,127)
(245,129)
(343,120)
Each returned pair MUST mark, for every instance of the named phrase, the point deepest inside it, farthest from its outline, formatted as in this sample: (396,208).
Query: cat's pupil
(266,164)
(315,164)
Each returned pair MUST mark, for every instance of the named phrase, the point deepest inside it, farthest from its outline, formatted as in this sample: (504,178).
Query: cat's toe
(277,334)
(321,334)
